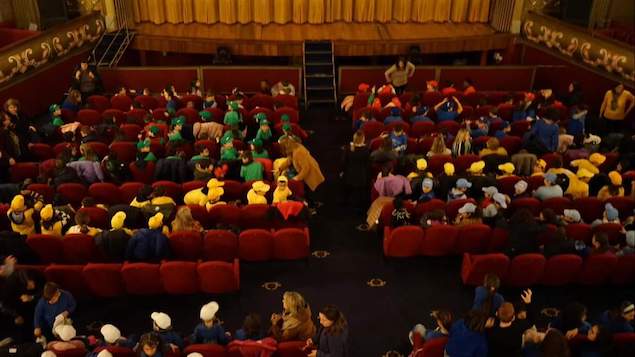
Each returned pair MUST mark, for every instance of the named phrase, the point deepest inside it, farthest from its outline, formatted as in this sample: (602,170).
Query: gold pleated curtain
(308,11)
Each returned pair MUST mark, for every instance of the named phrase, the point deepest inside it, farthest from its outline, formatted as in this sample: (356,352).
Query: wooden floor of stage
(351,39)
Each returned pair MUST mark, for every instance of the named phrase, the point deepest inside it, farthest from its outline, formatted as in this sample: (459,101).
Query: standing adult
(356,170)
(614,108)
(308,169)
(399,73)
(85,80)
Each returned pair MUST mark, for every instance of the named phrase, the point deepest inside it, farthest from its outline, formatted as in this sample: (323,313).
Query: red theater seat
(557,204)
(217,114)
(433,204)
(69,277)
(391,127)
(98,217)
(117,351)
(98,102)
(118,116)
(220,245)
(207,350)
(106,193)
(21,171)
(287,100)
(130,132)
(450,126)
(590,208)
(431,348)
(597,269)
(73,352)
(261,100)
(255,216)
(439,240)
(179,277)
(525,270)
(291,349)
(624,205)
(121,102)
(138,116)
(41,151)
(233,191)
(68,116)
(511,143)
(89,117)
(452,207)
(147,102)
(403,241)
(498,240)
(506,184)
(142,278)
(227,215)
(104,280)
(463,162)
(372,129)
(579,231)
(255,245)
(172,189)
(49,249)
(291,243)
(472,238)
(562,269)
(46,191)
(191,186)
(475,267)
(126,150)
(144,174)
(195,99)
(186,245)
(78,248)
(219,277)
(624,272)
(191,115)
(529,203)
(435,163)
(612,230)
(129,190)
(421,129)
(100,149)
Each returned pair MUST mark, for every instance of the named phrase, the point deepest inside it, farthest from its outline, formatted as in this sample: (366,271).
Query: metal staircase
(111,47)
(319,73)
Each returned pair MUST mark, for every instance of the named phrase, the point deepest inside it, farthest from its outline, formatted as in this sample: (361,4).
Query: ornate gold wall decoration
(580,45)
(49,45)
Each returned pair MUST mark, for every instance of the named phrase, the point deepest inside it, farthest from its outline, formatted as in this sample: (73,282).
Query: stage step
(110,48)
(319,73)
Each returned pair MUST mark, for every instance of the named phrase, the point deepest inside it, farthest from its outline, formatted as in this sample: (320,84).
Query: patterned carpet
(379,317)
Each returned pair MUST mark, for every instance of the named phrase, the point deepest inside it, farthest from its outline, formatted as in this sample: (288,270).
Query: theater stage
(351,39)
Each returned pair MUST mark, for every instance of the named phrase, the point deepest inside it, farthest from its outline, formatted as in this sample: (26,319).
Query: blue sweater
(616,326)
(45,313)
(480,295)
(147,245)
(547,133)
(392,119)
(171,337)
(204,334)
(464,342)
(331,345)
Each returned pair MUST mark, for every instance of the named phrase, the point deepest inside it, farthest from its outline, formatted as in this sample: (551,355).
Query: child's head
(443,318)
(600,241)
(506,312)
(252,325)
(150,344)
(491,282)
(246,157)
(160,321)
(256,145)
(51,292)
(208,313)
(520,187)
(202,150)
(283,182)
(82,218)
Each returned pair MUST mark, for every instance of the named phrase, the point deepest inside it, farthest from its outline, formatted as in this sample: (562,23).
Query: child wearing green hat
(144,153)
(264,131)
(287,133)
(250,170)
(175,134)
(227,151)
(257,150)
(50,129)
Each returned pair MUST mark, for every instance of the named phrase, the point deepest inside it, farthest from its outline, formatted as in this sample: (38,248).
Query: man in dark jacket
(149,244)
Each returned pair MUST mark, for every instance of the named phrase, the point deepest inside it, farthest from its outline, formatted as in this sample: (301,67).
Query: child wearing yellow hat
(282,191)
(112,243)
(592,164)
(614,189)
(507,169)
(420,172)
(149,244)
(256,196)
(53,221)
(21,216)
(476,169)
(539,168)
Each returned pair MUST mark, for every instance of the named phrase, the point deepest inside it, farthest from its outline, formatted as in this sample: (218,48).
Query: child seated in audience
(251,329)
(202,153)
(449,109)
(257,149)
(66,335)
(488,194)
(210,329)
(421,114)
(82,221)
(227,151)
(399,140)
(210,100)
(506,170)
(203,170)
(493,147)
(610,215)
(571,216)
(21,216)
(613,189)
(550,189)
(400,215)
(539,168)
(467,335)
(256,196)
(250,170)
(264,131)
(150,345)
(112,337)
(486,297)
(438,147)
(54,221)
(426,193)
(183,221)
(629,247)
(394,117)
(443,320)
(282,192)
(572,320)
(520,189)
(53,303)
(619,319)
(468,214)
(112,243)
(599,244)
(149,244)
(160,198)
(459,192)
(143,197)
(162,326)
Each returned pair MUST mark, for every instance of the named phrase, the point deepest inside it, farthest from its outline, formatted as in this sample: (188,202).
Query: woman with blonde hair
(462,143)
(183,221)
(295,321)
(438,147)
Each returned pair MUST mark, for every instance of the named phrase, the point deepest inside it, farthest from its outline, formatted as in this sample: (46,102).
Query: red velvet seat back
(79,248)
(255,245)
(49,249)
(179,277)
(104,280)
(220,245)
(439,240)
(525,270)
(562,269)
(142,278)
(69,277)
(106,193)
(291,243)
(475,267)
(219,277)
(186,245)
(472,238)
(597,269)
(403,241)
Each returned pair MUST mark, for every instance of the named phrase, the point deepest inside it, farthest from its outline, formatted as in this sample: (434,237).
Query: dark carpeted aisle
(379,318)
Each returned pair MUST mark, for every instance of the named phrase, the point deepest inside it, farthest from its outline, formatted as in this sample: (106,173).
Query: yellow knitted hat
(214,183)
(597,159)
(477,166)
(47,212)
(616,178)
(542,163)
(260,187)
(156,221)
(422,164)
(582,172)
(215,193)
(17,203)
(448,168)
(507,168)
(118,219)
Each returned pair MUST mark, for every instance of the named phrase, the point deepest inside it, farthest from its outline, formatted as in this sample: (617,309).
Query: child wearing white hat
(162,325)
(65,334)
(210,329)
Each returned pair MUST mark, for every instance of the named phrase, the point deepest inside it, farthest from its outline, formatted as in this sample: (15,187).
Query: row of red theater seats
(172,277)
(123,103)
(530,269)
(111,194)
(590,208)
(214,245)
(430,99)
(139,116)
(445,240)
(624,343)
(236,349)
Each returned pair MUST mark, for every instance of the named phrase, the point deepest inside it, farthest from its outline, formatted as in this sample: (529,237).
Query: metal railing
(122,21)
